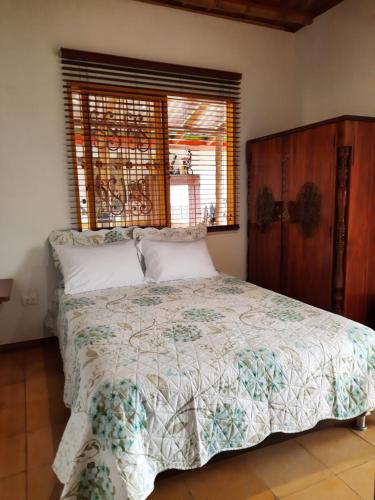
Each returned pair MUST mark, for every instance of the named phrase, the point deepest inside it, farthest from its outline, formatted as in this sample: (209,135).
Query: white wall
(33,189)
(335,61)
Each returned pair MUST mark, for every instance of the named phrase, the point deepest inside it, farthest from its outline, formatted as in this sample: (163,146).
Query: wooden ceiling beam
(322,7)
(235,14)
(263,12)
(260,12)
(195,116)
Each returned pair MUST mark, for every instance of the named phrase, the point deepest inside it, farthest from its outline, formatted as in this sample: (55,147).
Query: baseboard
(27,344)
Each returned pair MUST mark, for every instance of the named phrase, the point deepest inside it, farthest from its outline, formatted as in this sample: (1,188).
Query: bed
(165,376)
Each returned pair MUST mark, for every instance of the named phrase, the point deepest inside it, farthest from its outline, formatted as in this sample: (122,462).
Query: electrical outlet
(30,298)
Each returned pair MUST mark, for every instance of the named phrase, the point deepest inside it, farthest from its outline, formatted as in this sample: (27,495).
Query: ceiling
(286,15)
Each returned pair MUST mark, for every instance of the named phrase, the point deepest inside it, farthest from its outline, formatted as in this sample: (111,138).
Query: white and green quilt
(164,376)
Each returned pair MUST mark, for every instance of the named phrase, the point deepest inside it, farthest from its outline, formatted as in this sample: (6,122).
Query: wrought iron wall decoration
(140,202)
(120,142)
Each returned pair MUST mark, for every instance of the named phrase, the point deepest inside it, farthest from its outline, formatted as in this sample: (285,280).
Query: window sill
(231,227)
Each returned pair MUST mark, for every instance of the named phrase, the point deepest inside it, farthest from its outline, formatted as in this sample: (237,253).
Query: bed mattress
(165,376)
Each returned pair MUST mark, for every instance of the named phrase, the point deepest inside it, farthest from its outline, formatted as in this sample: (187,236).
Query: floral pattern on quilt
(348,396)
(225,428)
(363,349)
(166,376)
(183,333)
(163,290)
(229,290)
(72,303)
(190,233)
(147,301)
(93,334)
(202,314)
(117,415)
(94,484)
(285,314)
(260,373)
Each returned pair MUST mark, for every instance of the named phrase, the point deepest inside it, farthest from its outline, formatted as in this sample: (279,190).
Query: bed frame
(359,423)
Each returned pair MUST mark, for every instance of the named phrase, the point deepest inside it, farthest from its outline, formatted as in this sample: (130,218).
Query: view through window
(198,139)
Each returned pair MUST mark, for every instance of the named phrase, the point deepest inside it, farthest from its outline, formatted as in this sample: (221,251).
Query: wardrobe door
(308,236)
(264,212)
(359,303)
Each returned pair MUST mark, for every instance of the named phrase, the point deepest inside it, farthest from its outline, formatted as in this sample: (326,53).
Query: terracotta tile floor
(331,464)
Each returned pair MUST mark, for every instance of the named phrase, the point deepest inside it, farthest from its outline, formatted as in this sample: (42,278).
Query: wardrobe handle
(278,210)
(292,212)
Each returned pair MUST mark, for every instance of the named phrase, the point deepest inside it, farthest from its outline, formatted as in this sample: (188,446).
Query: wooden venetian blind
(150,144)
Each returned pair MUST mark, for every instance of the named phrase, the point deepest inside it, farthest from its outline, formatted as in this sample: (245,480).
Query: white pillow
(175,260)
(94,268)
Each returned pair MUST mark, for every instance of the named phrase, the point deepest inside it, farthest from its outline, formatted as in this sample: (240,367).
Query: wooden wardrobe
(311,215)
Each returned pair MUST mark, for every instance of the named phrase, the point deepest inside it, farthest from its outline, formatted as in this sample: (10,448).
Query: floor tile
(42,361)
(369,434)
(42,445)
(44,386)
(371,417)
(12,395)
(361,479)
(338,448)
(35,354)
(11,368)
(329,489)
(13,487)
(12,455)
(233,475)
(12,421)
(171,488)
(46,413)
(43,484)
(286,467)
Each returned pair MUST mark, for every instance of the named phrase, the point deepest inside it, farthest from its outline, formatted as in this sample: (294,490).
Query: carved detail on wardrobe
(285,215)
(343,171)
(268,210)
(306,210)
(265,208)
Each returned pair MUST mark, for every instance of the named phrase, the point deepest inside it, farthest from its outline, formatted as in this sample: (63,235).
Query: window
(149,149)
(198,138)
